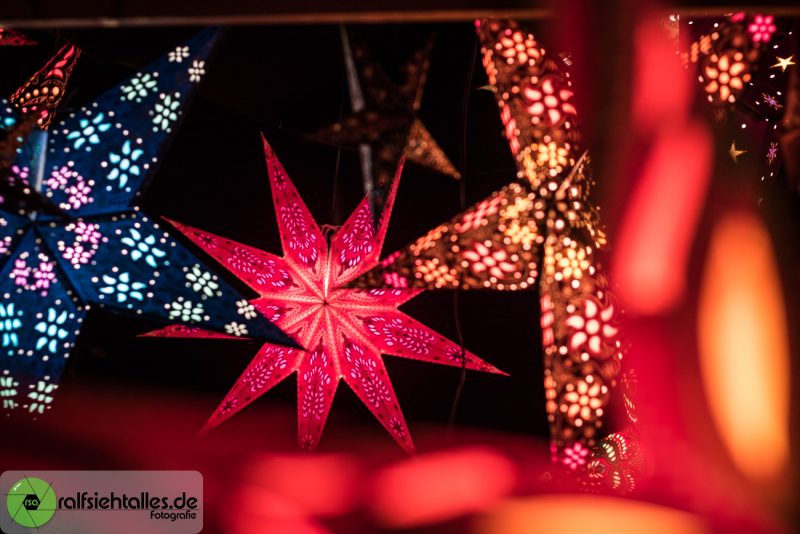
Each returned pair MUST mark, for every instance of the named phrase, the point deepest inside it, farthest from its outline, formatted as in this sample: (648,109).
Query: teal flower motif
(123,287)
(142,247)
(88,132)
(124,164)
(140,86)
(10,322)
(166,112)
(7,118)
(52,330)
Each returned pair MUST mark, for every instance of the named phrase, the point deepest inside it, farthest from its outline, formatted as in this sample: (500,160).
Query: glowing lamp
(744,353)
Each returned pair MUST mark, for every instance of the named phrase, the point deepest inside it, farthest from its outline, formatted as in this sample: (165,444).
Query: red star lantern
(41,95)
(9,37)
(344,330)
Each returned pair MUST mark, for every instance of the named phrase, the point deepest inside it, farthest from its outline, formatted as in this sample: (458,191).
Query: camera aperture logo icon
(31,502)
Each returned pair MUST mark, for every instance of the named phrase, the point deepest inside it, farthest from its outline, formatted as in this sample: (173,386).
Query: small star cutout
(735,153)
(771,101)
(783,63)
(772,153)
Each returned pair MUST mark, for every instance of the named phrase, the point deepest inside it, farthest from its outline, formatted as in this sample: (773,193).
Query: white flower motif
(41,396)
(179,54)
(197,70)
(166,111)
(8,390)
(185,310)
(202,282)
(139,87)
(236,329)
(246,309)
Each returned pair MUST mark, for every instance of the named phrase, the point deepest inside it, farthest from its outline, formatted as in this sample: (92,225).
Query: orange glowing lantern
(744,353)
(574,513)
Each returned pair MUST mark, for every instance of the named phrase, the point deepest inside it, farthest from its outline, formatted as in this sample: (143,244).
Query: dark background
(287,82)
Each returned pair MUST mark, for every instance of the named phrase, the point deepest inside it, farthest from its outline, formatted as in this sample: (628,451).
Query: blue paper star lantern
(104,251)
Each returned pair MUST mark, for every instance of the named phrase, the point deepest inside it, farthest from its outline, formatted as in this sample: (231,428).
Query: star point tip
(203,432)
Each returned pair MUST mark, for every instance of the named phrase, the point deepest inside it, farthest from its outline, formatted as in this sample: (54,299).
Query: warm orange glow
(744,347)
(659,225)
(569,514)
(440,486)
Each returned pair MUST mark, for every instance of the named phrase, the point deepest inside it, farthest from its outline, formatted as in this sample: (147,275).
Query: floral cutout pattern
(85,244)
(41,396)
(89,132)
(197,70)
(203,283)
(51,327)
(10,324)
(124,164)
(762,28)
(186,311)
(236,329)
(179,54)
(143,248)
(36,277)
(76,188)
(8,391)
(246,309)
(166,111)
(140,86)
(492,245)
(123,288)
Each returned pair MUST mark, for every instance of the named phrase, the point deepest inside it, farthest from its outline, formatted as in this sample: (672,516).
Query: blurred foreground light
(744,353)
(440,486)
(662,87)
(575,514)
(659,224)
(252,509)
(320,485)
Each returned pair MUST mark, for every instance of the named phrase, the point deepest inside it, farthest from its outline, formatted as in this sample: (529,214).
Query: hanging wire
(335,215)
(462,199)
(335,194)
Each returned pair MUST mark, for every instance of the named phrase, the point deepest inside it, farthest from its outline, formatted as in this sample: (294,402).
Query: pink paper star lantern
(344,330)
